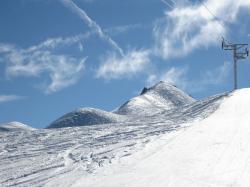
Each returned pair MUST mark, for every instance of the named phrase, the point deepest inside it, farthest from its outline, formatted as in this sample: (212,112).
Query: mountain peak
(160,86)
(161,96)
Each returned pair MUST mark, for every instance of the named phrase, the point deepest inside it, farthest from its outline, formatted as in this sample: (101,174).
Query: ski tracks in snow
(43,156)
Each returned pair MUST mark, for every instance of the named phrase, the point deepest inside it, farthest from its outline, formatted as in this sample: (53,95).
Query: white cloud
(52,43)
(92,24)
(63,70)
(80,46)
(68,74)
(190,26)
(216,76)
(178,76)
(122,29)
(213,77)
(89,1)
(175,76)
(8,98)
(5,48)
(114,66)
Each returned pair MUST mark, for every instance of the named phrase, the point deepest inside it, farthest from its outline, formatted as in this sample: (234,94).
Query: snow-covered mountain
(162,96)
(198,143)
(86,117)
(68,156)
(14,126)
(212,152)
(159,98)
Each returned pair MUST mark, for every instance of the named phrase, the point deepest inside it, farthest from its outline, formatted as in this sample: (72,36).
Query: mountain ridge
(160,97)
(82,154)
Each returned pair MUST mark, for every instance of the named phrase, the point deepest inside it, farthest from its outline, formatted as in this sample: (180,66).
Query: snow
(213,152)
(14,126)
(189,143)
(53,157)
(160,97)
(85,117)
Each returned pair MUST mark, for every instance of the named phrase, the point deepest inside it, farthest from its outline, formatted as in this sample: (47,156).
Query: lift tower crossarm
(237,55)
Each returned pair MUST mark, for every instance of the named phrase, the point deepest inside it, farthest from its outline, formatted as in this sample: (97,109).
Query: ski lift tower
(238,54)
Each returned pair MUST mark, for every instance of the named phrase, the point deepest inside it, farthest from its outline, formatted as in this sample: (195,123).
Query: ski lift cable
(219,21)
(168,4)
(173,2)
(216,18)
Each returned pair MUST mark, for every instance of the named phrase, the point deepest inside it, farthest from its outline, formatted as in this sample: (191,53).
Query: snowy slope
(14,126)
(160,97)
(75,155)
(85,117)
(212,152)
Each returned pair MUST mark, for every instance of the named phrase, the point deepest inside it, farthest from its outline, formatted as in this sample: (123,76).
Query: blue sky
(56,56)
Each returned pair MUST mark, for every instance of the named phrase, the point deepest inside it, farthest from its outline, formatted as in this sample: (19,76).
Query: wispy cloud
(190,26)
(80,46)
(122,29)
(216,76)
(114,67)
(185,28)
(40,60)
(213,77)
(179,76)
(63,70)
(92,24)
(5,48)
(174,75)
(89,1)
(8,98)
(52,43)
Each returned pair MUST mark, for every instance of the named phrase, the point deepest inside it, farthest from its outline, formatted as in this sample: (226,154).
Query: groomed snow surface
(212,152)
(190,143)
